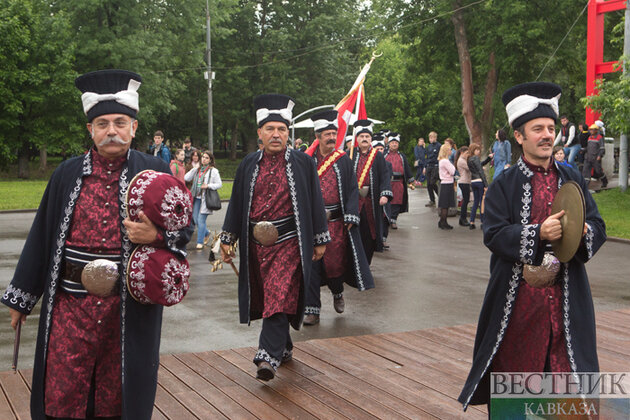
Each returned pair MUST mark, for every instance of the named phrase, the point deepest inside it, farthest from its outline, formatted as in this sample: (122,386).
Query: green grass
(17,195)
(613,206)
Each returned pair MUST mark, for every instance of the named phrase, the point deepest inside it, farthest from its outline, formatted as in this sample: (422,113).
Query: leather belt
(271,232)
(333,212)
(397,176)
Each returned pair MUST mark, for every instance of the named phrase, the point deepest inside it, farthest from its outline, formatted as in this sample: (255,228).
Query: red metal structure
(595,66)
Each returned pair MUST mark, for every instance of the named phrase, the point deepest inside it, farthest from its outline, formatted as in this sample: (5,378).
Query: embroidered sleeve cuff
(227,238)
(19,300)
(588,241)
(351,218)
(174,242)
(387,193)
(527,251)
(321,238)
(159,240)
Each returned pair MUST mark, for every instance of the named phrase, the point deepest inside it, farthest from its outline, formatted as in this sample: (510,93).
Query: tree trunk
(468,104)
(23,156)
(487,114)
(43,158)
(234,142)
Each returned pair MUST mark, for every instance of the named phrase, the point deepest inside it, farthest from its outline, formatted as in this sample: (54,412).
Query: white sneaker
(199,246)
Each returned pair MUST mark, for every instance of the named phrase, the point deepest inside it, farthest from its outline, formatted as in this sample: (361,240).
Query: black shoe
(447,226)
(287,356)
(472,226)
(441,225)
(339,305)
(463,222)
(430,204)
(604,182)
(265,371)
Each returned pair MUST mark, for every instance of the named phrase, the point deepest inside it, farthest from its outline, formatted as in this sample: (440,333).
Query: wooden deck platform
(416,374)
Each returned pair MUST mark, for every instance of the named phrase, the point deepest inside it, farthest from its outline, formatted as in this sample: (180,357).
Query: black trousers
(312,301)
(369,244)
(433,174)
(274,341)
(465,200)
(396,211)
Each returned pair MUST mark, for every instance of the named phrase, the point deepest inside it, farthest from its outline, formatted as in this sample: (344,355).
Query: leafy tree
(36,82)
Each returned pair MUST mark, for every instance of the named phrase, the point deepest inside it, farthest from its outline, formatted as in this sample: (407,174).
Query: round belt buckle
(265,233)
(543,275)
(99,277)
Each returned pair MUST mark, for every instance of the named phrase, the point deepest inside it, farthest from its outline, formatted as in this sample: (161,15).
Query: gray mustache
(114,139)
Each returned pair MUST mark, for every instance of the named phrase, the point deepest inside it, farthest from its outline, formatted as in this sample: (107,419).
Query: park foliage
(444,64)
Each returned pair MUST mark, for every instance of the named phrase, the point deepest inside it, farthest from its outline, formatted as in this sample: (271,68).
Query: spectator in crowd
(204,177)
(447,196)
(178,167)
(478,182)
(188,149)
(583,141)
(419,154)
(593,159)
(501,152)
(464,183)
(451,157)
(567,138)
(558,155)
(158,148)
(432,171)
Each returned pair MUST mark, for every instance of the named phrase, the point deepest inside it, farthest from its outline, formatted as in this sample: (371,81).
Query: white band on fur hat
(128,98)
(285,113)
(321,124)
(524,104)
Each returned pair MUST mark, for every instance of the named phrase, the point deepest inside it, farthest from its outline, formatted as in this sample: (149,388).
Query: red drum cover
(157,276)
(164,199)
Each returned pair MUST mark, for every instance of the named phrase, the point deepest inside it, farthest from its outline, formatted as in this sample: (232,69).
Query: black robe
(380,186)
(308,211)
(38,273)
(360,277)
(407,175)
(514,241)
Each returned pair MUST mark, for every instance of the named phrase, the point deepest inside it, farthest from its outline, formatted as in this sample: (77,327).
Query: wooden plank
(17,394)
(428,347)
(389,382)
(27,376)
(366,382)
(292,371)
(183,393)
(258,388)
(230,388)
(5,408)
(205,389)
(169,406)
(402,355)
(286,388)
(158,415)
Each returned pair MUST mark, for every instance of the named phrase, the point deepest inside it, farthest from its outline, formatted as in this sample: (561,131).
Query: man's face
(564,121)
(274,136)
(421,142)
(187,146)
(593,131)
(537,140)
(393,146)
(432,138)
(365,141)
(327,140)
(380,149)
(158,140)
(112,134)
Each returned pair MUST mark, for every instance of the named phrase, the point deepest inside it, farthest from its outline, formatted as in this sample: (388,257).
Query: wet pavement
(429,278)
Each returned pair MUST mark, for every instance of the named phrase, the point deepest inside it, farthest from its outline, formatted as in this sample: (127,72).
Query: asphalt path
(429,278)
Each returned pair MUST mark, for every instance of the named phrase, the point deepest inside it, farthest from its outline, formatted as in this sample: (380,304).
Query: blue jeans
(419,175)
(477,189)
(571,154)
(200,221)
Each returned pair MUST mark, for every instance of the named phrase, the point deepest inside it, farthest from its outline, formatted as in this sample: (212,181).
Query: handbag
(213,201)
